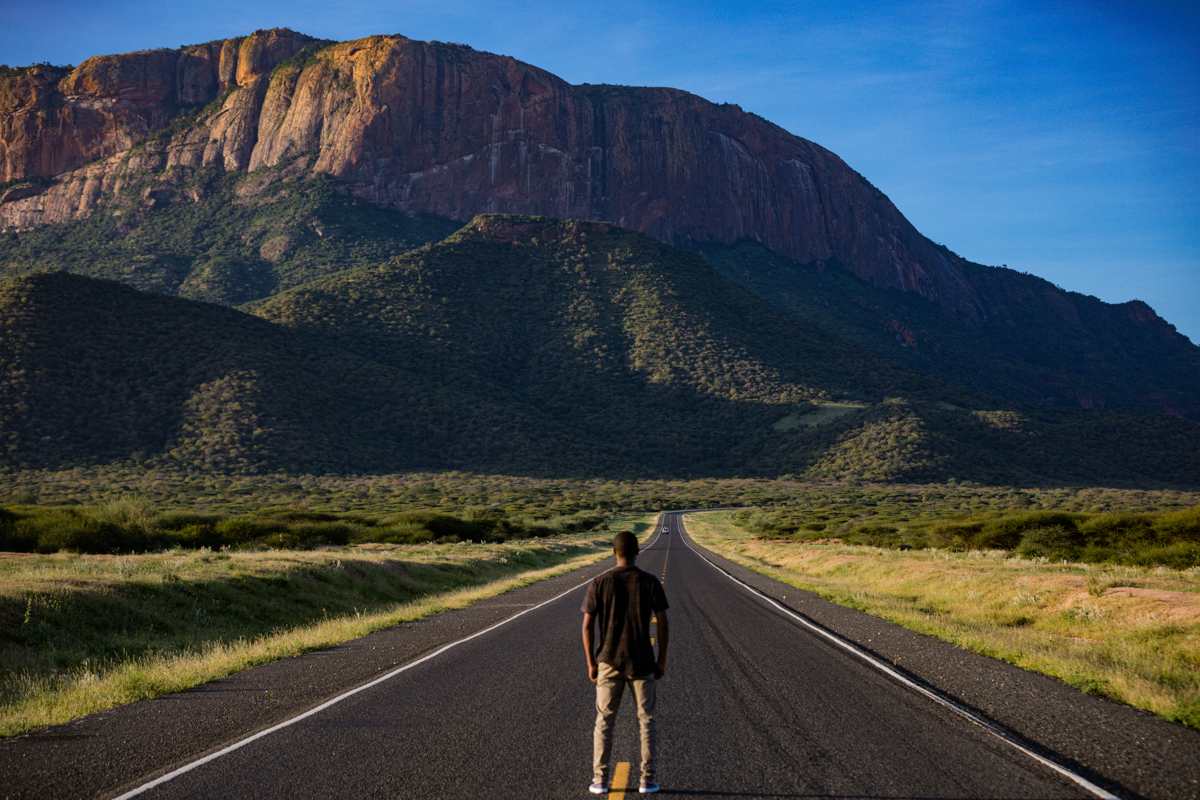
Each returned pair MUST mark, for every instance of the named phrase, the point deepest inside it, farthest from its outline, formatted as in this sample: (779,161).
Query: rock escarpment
(442,128)
(52,119)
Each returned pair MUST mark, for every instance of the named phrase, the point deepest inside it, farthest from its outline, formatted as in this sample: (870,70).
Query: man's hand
(589,646)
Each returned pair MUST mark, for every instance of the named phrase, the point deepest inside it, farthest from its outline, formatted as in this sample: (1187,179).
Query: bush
(956,533)
(416,524)
(197,536)
(235,532)
(1006,533)
(1116,530)
(874,535)
(1179,526)
(62,529)
(180,520)
(1099,554)
(1180,555)
(10,540)
(409,533)
(311,534)
(1051,541)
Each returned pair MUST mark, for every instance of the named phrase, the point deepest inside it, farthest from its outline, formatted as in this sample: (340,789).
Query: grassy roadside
(80,634)
(1128,633)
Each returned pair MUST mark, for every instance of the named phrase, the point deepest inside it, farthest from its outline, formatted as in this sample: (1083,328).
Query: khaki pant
(610,685)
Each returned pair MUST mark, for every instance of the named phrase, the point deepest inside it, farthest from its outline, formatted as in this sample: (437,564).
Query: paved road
(754,705)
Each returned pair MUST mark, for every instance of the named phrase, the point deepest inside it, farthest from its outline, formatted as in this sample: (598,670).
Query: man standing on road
(621,602)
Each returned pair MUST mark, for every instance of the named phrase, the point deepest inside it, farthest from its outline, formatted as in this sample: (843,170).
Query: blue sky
(1059,138)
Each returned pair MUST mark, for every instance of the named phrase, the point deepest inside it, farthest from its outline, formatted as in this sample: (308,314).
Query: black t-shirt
(623,600)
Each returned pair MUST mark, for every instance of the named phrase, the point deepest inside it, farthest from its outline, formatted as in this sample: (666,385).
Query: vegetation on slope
(93,372)
(1039,344)
(224,237)
(519,346)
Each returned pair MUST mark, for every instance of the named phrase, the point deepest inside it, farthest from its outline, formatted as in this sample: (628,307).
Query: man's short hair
(626,544)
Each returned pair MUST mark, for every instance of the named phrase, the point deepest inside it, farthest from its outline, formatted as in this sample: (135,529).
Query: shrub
(199,535)
(135,516)
(954,533)
(1006,533)
(1180,526)
(1050,541)
(179,520)
(244,531)
(311,534)
(1116,530)
(437,525)
(1180,555)
(12,541)
(874,535)
(409,533)
(62,529)
(1099,554)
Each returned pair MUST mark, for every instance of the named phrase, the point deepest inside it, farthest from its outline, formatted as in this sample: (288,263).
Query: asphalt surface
(754,704)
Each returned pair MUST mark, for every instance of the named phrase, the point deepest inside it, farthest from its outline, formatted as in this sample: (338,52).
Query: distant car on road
(666,530)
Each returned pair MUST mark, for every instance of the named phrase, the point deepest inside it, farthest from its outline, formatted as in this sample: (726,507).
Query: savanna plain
(116,588)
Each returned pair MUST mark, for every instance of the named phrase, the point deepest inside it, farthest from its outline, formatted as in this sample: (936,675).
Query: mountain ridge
(417,128)
(518,346)
(453,131)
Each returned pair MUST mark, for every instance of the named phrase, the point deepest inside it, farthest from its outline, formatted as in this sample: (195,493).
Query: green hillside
(522,346)
(1037,343)
(611,333)
(95,372)
(224,237)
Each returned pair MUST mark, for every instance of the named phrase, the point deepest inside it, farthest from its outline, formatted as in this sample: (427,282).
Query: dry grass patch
(1129,633)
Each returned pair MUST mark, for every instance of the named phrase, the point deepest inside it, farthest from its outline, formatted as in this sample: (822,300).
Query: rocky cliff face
(442,128)
(52,121)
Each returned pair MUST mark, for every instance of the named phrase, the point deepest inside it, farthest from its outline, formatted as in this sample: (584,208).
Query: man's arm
(589,642)
(664,634)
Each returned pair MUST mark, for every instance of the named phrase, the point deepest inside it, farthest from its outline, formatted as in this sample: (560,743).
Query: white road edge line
(1078,779)
(243,742)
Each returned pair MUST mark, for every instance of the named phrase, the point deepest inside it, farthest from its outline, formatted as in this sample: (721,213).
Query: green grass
(79,634)
(1126,632)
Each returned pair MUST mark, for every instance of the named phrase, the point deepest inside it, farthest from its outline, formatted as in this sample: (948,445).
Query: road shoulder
(1123,749)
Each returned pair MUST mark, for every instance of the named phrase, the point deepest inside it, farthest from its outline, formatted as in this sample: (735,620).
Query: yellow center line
(620,778)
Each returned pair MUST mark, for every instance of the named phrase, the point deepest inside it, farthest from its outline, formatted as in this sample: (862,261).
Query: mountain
(525,346)
(1039,343)
(119,143)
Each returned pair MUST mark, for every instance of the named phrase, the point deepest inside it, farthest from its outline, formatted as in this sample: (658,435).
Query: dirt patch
(393,567)
(820,415)
(835,561)
(1179,607)
(1129,604)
